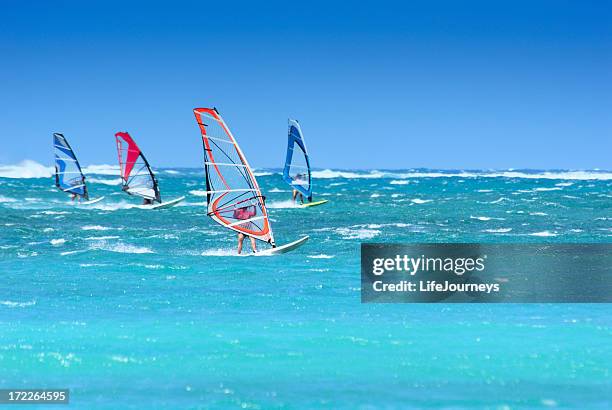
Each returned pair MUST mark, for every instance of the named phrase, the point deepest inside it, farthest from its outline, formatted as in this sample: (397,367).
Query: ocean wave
(57,242)
(282,204)
(12,304)
(499,230)
(485,218)
(95,228)
(220,252)
(357,233)
(543,234)
(321,256)
(119,247)
(26,169)
(198,192)
(5,199)
(102,169)
(113,182)
(398,175)
(399,182)
(420,201)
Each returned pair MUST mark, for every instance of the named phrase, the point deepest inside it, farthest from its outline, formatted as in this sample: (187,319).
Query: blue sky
(441,84)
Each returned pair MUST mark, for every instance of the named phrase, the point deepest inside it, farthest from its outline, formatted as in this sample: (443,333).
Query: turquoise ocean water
(132,308)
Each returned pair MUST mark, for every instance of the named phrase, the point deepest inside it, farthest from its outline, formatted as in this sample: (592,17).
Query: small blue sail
(297,164)
(68,175)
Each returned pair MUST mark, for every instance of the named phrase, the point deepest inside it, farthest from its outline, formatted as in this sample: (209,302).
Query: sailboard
(137,177)
(69,176)
(297,172)
(234,199)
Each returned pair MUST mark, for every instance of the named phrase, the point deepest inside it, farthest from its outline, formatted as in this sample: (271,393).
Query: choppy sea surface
(140,309)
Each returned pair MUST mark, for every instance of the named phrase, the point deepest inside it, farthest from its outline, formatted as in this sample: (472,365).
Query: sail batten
(234,199)
(66,164)
(137,177)
(297,171)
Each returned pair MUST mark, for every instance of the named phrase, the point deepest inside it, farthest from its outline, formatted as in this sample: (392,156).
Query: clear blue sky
(443,84)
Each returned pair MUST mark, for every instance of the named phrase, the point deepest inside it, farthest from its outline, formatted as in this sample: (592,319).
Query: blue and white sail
(68,174)
(297,164)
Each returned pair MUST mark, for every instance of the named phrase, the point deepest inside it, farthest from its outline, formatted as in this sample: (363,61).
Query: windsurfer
(299,180)
(147,201)
(242,214)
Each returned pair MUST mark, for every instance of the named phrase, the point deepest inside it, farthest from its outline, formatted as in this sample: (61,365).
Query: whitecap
(102,169)
(95,228)
(198,192)
(420,201)
(543,234)
(112,182)
(12,304)
(399,182)
(321,256)
(282,204)
(499,230)
(57,242)
(359,233)
(26,169)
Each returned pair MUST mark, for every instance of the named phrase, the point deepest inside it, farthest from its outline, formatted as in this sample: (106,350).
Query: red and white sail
(234,198)
(137,178)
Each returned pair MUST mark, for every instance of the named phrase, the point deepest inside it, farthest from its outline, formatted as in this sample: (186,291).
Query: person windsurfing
(242,214)
(299,179)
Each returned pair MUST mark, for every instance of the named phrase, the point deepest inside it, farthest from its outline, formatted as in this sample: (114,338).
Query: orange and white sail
(234,198)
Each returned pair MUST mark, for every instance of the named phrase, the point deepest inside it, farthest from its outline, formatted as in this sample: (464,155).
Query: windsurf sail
(68,174)
(137,178)
(234,198)
(297,164)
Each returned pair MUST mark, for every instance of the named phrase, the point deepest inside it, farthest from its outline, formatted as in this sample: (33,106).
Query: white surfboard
(93,201)
(280,249)
(165,205)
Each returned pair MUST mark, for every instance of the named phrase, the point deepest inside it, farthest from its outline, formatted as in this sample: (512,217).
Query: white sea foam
(546,189)
(283,204)
(321,256)
(112,182)
(102,169)
(543,234)
(564,184)
(26,169)
(57,242)
(262,173)
(399,182)
(538,214)
(198,192)
(374,195)
(357,233)
(485,218)
(172,172)
(12,304)
(420,201)
(222,252)
(499,230)
(485,190)
(119,247)
(278,190)
(5,199)
(497,201)
(95,228)
(328,173)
